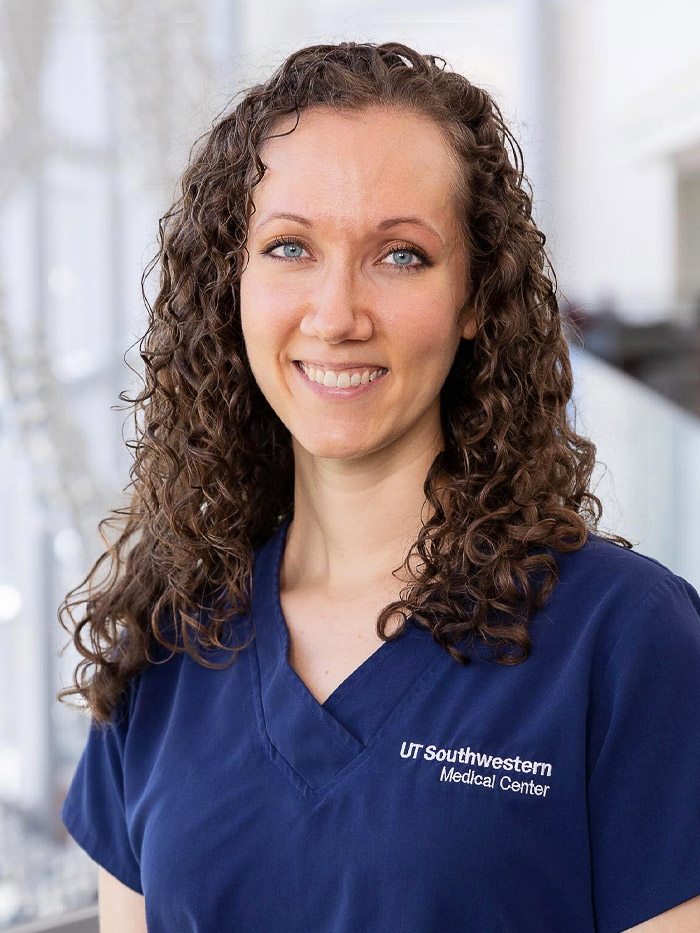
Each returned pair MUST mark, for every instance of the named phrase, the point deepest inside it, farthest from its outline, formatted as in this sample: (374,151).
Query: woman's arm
(121,910)
(685,918)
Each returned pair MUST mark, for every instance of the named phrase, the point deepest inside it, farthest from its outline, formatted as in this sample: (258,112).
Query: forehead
(352,167)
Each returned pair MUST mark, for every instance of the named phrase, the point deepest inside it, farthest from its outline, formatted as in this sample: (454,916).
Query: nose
(338,307)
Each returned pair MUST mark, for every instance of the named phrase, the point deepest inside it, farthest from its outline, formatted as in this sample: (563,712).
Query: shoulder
(602,566)
(612,607)
(618,588)
(167,666)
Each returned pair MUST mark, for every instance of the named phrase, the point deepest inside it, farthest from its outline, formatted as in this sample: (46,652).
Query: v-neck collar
(319,740)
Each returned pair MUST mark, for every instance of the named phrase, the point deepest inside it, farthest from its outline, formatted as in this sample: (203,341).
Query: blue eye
(400,250)
(292,244)
(283,241)
(405,251)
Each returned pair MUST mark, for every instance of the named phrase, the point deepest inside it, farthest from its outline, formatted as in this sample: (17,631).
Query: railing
(650,449)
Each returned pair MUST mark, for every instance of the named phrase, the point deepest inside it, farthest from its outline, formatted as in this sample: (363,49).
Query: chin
(329,448)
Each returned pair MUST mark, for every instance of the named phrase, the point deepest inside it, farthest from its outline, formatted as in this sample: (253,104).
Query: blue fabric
(559,794)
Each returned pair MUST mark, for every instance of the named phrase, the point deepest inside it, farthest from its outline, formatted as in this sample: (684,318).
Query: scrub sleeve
(644,788)
(93,811)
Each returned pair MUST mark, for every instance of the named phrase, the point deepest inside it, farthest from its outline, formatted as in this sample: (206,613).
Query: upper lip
(345,364)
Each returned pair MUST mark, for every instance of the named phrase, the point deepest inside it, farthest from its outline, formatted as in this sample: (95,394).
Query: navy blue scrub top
(558,794)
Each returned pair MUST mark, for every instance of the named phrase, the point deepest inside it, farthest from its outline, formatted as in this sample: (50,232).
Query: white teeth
(340,380)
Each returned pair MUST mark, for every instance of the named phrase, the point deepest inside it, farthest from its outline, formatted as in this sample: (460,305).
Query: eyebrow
(383,225)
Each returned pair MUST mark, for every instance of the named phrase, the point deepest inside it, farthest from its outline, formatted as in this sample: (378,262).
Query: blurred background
(100,101)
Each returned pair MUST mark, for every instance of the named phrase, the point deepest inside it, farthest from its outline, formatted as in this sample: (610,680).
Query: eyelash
(402,247)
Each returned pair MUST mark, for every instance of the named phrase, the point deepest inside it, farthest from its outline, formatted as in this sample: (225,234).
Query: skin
(360,464)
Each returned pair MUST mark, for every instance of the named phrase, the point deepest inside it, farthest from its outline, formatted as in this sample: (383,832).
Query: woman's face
(353,288)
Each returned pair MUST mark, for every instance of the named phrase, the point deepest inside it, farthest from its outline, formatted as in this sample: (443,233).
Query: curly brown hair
(213,472)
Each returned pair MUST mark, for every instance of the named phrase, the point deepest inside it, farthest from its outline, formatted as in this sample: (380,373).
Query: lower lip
(334,392)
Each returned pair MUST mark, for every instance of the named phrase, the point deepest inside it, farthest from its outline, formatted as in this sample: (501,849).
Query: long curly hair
(213,470)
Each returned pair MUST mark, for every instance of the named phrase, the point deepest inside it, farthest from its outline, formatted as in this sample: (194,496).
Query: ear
(469,328)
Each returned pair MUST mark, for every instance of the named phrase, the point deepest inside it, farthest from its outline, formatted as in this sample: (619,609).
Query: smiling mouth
(341,379)
(350,381)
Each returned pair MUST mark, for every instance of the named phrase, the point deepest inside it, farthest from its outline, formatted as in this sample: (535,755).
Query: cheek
(266,320)
(427,333)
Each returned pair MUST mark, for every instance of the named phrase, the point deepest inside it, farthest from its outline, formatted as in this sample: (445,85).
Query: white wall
(626,98)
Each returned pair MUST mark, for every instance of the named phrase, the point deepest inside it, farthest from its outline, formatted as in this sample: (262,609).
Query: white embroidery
(418,751)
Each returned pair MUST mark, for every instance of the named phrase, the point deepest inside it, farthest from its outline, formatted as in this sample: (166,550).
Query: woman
(376,669)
